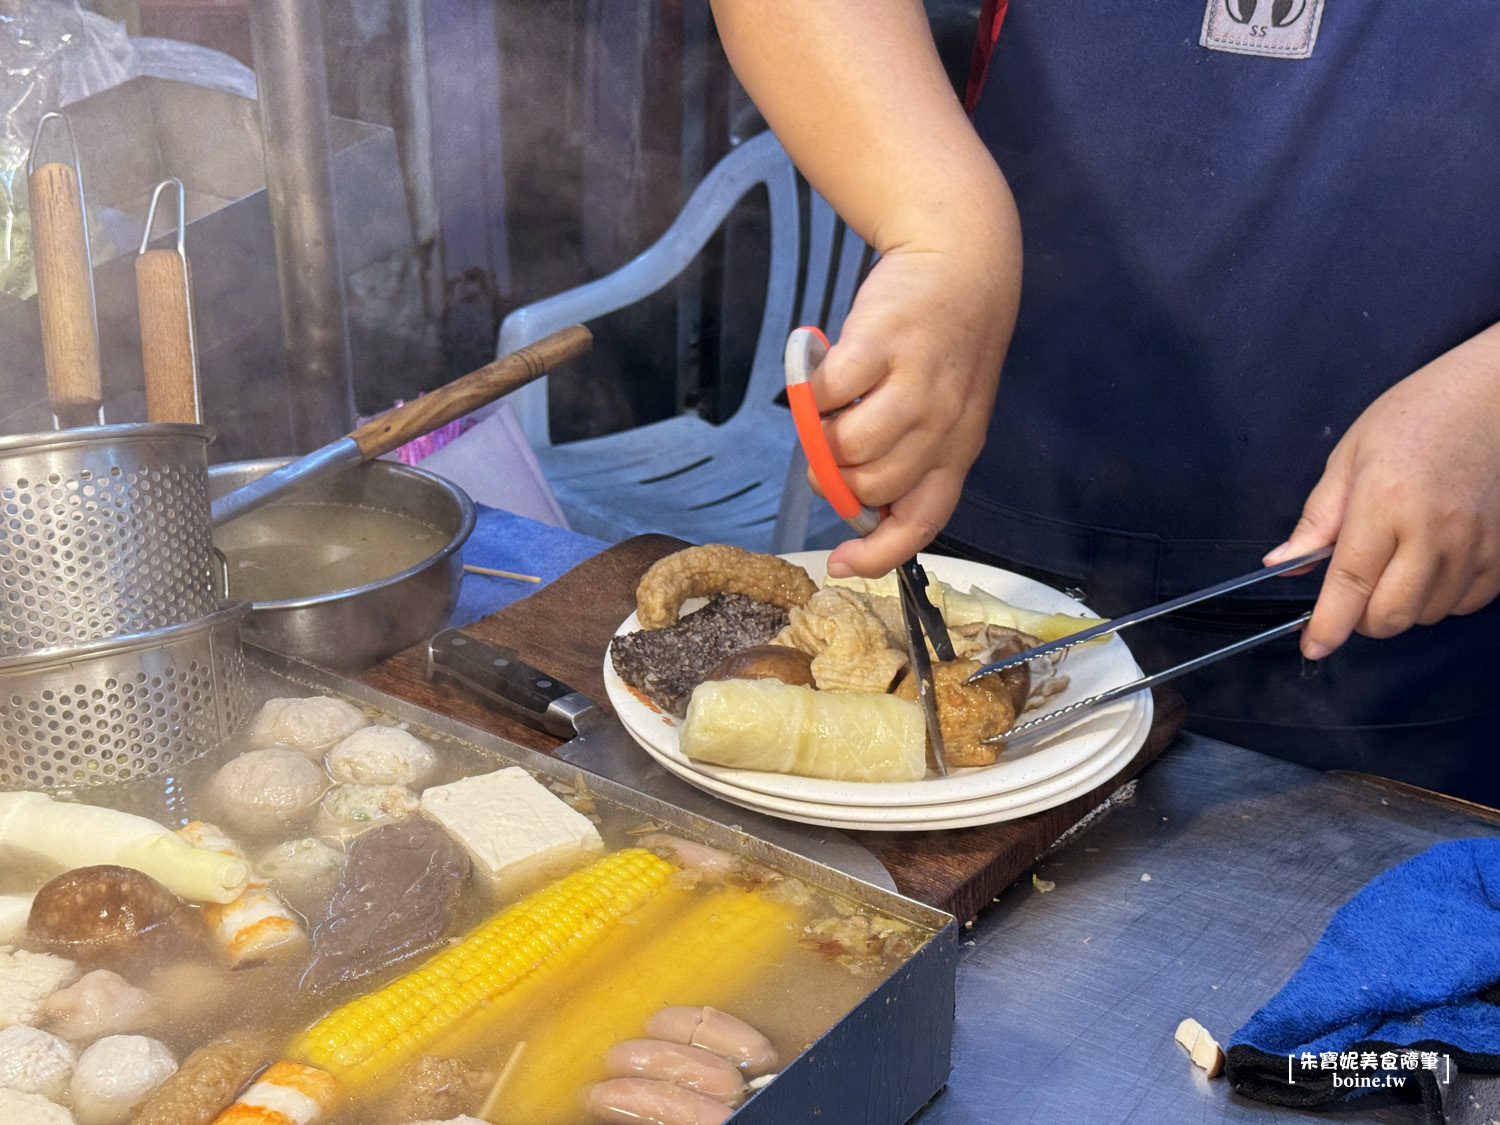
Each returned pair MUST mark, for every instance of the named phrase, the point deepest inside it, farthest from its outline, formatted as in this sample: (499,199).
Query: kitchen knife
(598,742)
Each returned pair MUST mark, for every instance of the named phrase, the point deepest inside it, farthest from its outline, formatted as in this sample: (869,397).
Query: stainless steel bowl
(350,629)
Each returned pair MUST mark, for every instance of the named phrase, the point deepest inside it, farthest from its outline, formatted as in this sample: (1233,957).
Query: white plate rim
(1111,756)
(1051,755)
(965,819)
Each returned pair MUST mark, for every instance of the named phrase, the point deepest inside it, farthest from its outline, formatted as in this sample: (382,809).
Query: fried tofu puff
(967,713)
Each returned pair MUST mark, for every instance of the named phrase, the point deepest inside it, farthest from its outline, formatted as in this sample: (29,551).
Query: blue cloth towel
(1400,986)
(505,541)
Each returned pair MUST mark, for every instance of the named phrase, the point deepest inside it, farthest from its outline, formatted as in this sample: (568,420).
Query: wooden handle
(161,286)
(423,415)
(65,291)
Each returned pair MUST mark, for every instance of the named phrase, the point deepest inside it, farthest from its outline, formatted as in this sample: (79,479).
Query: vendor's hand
(921,351)
(1411,497)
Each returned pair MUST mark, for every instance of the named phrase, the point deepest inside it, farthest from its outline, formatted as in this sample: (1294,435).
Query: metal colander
(105,531)
(124,708)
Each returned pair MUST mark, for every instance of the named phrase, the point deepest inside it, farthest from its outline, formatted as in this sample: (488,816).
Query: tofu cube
(519,834)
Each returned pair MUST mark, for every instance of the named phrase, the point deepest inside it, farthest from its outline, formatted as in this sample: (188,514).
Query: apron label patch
(1278,29)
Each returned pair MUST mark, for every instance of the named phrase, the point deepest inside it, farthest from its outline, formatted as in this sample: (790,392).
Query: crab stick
(287,1093)
(257,925)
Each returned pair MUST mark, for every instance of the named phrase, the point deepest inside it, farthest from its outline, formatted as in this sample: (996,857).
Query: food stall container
(878,1064)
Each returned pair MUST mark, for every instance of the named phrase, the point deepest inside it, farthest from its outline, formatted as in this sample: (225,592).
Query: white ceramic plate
(1092,669)
(926,818)
(1004,806)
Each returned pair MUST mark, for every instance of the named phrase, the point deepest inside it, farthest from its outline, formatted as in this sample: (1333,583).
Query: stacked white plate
(1031,775)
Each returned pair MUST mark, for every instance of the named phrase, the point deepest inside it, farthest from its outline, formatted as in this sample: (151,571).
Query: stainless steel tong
(1073,710)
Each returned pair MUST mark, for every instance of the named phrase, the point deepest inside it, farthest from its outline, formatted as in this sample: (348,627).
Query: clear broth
(799,991)
(287,551)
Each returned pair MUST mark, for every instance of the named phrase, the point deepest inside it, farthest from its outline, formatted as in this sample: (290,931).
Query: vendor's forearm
(858,96)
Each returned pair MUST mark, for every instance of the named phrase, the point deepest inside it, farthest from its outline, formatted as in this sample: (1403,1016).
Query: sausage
(718,1032)
(686,1065)
(205,1084)
(645,1101)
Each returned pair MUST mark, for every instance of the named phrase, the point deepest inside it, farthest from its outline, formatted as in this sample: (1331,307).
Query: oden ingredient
(968,713)
(768,725)
(382,756)
(205,1084)
(309,726)
(716,568)
(682,1063)
(266,790)
(117,1074)
(397,899)
(638,1101)
(111,915)
(767,662)
(101,1003)
(35,1062)
(33,826)
(716,1031)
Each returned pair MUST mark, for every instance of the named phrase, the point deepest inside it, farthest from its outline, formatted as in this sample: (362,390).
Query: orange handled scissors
(805,349)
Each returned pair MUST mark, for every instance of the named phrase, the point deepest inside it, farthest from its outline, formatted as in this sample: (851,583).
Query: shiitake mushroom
(111,916)
(767,662)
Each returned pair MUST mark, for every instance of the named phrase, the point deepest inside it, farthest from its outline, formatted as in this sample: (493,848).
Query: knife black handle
(499,677)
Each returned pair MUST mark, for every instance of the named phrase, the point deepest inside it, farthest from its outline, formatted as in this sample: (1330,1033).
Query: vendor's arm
(857,95)
(1411,494)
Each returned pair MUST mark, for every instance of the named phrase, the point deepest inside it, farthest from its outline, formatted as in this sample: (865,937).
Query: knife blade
(596,741)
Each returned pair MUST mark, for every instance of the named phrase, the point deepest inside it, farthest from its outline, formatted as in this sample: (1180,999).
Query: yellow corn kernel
(712,949)
(367,1039)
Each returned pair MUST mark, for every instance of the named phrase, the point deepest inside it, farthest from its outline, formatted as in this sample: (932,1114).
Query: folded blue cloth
(505,541)
(1397,990)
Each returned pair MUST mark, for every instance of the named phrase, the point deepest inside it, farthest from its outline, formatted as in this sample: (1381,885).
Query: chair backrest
(828,289)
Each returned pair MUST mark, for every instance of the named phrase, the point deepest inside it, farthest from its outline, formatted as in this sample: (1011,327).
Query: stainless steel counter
(1067,1000)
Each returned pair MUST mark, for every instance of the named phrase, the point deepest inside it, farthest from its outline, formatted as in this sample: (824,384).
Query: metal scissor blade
(1073,710)
(921,668)
(1151,612)
(913,580)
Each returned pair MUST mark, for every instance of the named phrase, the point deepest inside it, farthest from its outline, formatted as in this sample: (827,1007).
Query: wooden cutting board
(564,629)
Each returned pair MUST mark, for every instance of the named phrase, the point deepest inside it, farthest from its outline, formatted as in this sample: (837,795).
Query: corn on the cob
(370,1037)
(714,950)
(286,1094)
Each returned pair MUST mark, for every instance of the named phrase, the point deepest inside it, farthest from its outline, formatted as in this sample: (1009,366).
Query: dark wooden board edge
(564,629)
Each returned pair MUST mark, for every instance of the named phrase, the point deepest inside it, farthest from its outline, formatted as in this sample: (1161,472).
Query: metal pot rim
(467,512)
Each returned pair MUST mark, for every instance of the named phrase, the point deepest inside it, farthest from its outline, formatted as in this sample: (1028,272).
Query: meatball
(267,790)
(303,870)
(348,810)
(115,1075)
(102,1003)
(309,725)
(382,756)
(31,1109)
(34,1062)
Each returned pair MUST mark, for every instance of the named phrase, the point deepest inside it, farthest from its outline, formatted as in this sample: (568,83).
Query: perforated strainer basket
(105,531)
(122,709)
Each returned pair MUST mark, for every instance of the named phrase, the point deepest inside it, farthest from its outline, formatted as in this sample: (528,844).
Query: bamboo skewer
(492,572)
(505,1072)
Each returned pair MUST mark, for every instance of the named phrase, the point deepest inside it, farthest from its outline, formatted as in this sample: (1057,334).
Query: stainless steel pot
(350,629)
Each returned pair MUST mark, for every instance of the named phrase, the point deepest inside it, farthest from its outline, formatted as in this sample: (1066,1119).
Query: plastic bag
(53,53)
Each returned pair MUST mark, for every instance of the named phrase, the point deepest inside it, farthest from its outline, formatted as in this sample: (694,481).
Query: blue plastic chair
(742,481)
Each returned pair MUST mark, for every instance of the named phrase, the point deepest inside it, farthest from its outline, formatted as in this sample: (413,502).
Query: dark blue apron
(1227,258)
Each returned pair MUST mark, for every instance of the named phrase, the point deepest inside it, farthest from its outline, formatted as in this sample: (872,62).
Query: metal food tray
(879,1064)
